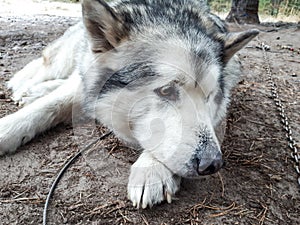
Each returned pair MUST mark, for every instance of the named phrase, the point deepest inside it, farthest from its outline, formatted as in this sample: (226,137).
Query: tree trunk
(243,11)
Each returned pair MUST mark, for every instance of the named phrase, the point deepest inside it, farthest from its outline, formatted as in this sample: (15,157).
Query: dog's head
(161,77)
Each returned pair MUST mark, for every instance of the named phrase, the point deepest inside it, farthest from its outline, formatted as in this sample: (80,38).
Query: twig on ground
(22,200)
(222,183)
(262,214)
(125,218)
(145,220)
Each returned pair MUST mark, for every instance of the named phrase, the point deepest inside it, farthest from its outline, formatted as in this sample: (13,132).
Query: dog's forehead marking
(177,62)
(209,81)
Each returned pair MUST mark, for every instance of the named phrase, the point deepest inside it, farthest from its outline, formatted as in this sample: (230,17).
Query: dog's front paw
(27,73)
(150,182)
(19,96)
(29,94)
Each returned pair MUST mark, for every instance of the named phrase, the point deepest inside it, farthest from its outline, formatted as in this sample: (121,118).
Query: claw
(169,197)
(134,204)
(144,206)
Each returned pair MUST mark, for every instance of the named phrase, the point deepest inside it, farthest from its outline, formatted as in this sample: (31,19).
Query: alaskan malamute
(158,73)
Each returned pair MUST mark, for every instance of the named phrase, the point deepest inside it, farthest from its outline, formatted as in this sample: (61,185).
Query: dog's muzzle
(206,166)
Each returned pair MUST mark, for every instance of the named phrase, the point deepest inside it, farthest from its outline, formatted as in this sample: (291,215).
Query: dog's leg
(40,90)
(21,77)
(49,66)
(36,73)
(20,127)
(150,182)
(32,74)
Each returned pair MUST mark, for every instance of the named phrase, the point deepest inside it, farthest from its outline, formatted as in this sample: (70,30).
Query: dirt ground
(257,186)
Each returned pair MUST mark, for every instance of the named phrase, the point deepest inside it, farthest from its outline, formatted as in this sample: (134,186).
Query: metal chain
(295,154)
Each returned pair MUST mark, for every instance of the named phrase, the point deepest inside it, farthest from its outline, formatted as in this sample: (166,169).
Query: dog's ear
(235,41)
(105,27)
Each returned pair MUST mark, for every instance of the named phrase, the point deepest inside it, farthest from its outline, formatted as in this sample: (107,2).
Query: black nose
(210,166)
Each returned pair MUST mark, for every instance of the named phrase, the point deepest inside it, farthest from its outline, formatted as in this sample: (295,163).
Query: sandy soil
(39,7)
(257,186)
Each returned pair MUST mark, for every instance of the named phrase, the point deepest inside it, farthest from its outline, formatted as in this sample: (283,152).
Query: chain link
(295,154)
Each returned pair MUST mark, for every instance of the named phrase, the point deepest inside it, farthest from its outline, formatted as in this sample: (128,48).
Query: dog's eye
(166,91)
(169,92)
